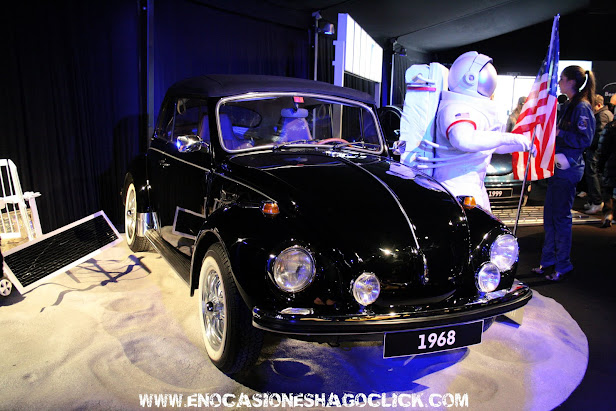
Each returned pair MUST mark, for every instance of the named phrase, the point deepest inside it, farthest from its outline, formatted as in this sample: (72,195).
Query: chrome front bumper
(488,306)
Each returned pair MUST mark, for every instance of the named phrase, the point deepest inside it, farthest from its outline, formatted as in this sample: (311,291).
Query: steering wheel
(333,140)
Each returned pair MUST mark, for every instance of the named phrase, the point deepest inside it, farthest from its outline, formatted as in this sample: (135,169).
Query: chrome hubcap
(213,309)
(130,217)
(5,287)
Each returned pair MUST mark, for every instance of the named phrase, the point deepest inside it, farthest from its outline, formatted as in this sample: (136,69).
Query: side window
(369,128)
(190,119)
(181,117)
(164,124)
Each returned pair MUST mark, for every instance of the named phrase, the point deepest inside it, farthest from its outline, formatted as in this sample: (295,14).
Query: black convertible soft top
(222,85)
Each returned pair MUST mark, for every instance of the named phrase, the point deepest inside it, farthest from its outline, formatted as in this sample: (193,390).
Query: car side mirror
(398,147)
(191,143)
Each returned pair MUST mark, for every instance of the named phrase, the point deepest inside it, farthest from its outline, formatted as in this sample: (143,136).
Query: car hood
(367,213)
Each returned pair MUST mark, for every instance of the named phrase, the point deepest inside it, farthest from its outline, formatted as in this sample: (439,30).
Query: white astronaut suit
(468,129)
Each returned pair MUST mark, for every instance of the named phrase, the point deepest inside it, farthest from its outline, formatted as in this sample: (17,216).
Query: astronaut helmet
(473,74)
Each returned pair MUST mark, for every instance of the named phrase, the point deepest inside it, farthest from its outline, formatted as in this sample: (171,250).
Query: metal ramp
(35,262)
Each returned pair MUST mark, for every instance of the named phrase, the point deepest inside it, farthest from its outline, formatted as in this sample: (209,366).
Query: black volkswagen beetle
(277,201)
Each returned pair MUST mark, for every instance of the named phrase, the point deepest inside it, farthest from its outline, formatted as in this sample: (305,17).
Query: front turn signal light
(270,208)
(469,202)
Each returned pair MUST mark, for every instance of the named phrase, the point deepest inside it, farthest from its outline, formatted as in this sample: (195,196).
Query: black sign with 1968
(403,343)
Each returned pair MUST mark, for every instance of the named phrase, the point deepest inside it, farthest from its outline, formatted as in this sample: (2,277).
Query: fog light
(366,289)
(488,277)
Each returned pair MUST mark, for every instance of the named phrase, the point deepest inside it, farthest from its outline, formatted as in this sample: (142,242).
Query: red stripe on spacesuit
(459,121)
(412,88)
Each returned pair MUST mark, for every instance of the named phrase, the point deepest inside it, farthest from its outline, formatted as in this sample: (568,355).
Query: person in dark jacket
(513,117)
(592,174)
(575,131)
(607,166)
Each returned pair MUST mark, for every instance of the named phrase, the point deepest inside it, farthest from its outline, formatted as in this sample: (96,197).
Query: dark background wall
(75,92)
(70,102)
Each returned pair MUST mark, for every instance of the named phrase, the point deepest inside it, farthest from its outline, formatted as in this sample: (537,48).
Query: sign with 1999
(500,192)
(403,343)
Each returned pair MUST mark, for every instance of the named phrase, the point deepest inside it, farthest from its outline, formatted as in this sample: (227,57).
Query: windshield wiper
(287,143)
(362,144)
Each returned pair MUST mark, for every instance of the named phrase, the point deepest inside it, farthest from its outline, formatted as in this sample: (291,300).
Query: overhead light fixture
(399,49)
(328,29)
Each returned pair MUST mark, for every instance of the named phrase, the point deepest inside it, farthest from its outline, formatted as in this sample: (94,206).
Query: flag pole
(517,216)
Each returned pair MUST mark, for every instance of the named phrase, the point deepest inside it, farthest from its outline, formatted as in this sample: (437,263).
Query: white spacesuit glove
(519,140)
(516,142)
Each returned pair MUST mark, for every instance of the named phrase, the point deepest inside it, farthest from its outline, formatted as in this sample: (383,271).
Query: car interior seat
(294,125)
(204,129)
(230,139)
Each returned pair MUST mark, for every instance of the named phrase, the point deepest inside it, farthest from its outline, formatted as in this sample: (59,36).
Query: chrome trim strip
(218,174)
(245,185)
(180,160)
(144,223)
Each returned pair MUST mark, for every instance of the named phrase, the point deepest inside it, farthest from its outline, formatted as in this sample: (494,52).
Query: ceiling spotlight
(398,48)
(328,29)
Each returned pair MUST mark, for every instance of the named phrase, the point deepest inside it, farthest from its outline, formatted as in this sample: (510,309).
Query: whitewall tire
(5,287)
(135,242)
(231,342)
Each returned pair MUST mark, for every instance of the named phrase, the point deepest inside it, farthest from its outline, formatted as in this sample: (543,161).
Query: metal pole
(517,217)
(317,17)
(316,48)
(391,80)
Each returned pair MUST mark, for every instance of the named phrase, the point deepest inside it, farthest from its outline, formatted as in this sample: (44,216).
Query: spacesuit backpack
(424,84)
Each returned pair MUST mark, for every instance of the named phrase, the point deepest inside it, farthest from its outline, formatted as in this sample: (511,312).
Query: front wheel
(5,287)
(135,242)
(232,343)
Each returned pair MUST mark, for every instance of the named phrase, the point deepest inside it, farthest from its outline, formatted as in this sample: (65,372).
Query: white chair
(13,205)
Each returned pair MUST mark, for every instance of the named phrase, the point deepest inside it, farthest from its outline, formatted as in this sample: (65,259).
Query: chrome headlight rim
(275,277)
(360,281)
(498,252)
(480,282)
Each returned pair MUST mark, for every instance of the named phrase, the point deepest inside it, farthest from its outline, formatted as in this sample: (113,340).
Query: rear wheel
(135,242)
(232,343)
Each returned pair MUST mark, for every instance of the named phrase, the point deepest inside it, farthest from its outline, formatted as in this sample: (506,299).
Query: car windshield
(283,120)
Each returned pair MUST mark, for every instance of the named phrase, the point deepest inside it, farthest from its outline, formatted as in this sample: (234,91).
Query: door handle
(163,163)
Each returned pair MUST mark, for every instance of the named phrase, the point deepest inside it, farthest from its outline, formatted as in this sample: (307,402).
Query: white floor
(123,325)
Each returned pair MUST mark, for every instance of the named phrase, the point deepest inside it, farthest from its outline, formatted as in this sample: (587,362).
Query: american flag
(539,114)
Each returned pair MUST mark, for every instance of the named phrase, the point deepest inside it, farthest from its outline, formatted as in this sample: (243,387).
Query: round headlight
(366,288)
(504,251)
(293,269)
(488,277)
